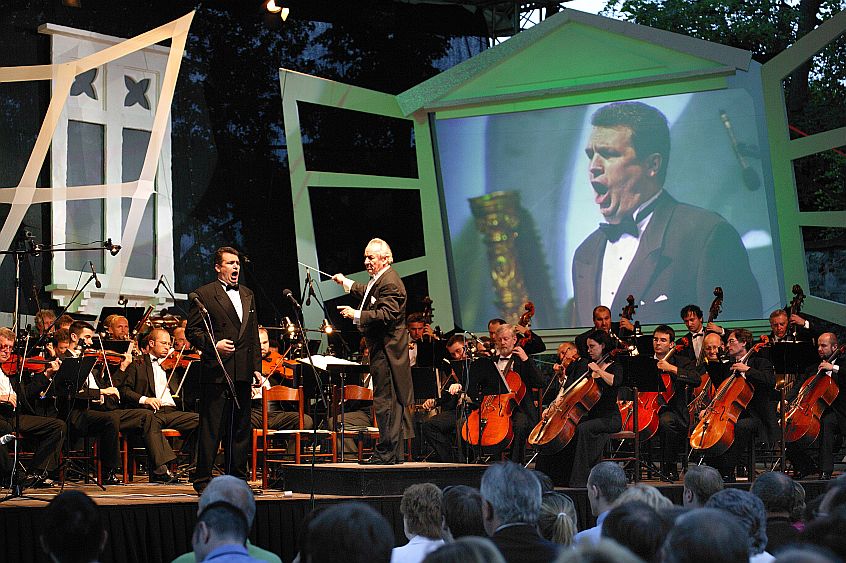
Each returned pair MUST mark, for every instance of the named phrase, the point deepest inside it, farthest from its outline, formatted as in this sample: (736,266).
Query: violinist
(602,321)
(532,343)
(277,417)
(673,416)
(48,432)
(180,342)
(571,465)
(758,419)
(832,421)
(439,430)
(486,378)
(567,354)
(146,385)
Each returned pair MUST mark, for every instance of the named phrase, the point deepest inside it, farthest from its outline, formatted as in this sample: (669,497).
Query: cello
(705,389)
(559,421)
(490,425)
(802,422)
(714,434)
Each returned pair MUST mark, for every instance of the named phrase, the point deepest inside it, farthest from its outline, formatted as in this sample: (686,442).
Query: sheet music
(323,362)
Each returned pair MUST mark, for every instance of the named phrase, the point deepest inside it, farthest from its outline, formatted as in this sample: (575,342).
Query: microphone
(94,273)
(6,438)
(158,285)
(286,293)
(194,298)
(308,295)
(112,248)
(750,177)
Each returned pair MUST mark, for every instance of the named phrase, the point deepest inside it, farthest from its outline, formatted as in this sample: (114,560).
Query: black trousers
(672,430)
(394,421)
(439,431)
(171,417)
(48,433)
(220,421)
(571,466)
(823,447)
(745,431)
(106,425)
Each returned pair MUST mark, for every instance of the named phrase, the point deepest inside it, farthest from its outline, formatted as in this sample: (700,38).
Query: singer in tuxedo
(381,318)
(234,338)
(652,246)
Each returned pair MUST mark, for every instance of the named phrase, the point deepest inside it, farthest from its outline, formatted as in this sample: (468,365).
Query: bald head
(232,490)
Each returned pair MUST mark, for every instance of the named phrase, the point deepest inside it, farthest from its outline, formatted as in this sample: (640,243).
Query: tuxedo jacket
(225,325)
(485,380)
(684,252)
(382,321)
(138,381)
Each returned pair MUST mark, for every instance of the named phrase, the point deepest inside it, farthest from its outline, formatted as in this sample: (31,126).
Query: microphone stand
(166,285)
(308,293)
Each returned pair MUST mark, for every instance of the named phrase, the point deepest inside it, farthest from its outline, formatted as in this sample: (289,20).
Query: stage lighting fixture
(326,327)
(275,8)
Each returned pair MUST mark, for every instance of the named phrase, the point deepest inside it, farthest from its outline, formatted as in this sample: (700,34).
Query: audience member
(421,517)
(352,532)
(511,499)
(806,553)
(236,492)
(605,484)
(644,493)
(461,508)
(636,526)
(545,481)
(604,551)
(469,549)
(557,521)
(220,534)
(700,482)
(706,535)
(750,511)
(776,491)
(828,531)
(797,513)
(73,529)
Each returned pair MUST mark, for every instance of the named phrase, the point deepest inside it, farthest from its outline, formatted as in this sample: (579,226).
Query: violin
(490,425)
(802,422)
(274,364)
(526,321)
(559,421)
(714,434)
(180,359)
(34,364)
(112,358)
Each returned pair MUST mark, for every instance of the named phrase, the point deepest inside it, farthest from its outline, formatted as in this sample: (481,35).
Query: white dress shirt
(235,297)
(348,286)
(160,384)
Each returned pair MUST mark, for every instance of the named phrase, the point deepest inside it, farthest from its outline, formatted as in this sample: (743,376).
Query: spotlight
(285,12)
(326,327)
(272,7)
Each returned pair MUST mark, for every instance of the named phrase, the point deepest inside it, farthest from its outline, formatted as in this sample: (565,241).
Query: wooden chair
(129,454)
(361,434)
(283,393)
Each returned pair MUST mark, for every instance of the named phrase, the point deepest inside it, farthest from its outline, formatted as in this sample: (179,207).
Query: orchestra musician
(673,416)
(117,327)
(567,354)
(425,349)
(380,316)
(832,421)
(486,378)
(48,432)
(439,430)
(571,465)
(696,330)
(602,321)
(758,419)
(534,344)
(783,326)
(145,384)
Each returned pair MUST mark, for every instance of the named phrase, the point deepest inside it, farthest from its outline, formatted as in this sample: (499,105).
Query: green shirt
(254,551)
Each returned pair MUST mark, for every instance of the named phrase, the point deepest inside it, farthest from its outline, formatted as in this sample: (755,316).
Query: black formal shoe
(111,478)
(672,476)
(729,479)
(825,476)
(200,486)
(376,460)
(166,478)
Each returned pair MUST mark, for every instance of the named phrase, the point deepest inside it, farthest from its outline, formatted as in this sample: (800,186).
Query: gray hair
(749,509)
(703,481)
(609,478)
(384,249)
(513,491)
(233,490)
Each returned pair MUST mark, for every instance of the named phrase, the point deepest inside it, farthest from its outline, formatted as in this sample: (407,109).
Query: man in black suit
(602,321)
(381,318)
(511,501)
(653,247)
(145,385)
(231,359)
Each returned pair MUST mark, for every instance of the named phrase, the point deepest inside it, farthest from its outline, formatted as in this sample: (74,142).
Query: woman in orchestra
(571,466)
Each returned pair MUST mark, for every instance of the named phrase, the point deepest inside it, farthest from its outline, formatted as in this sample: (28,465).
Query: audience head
(557,520)
(798,511)
(828,531)
(646,494)
(636,526)
(806,553)
(510,494)
(605,551)
(700,482)
(749,510)
(706,535)
(233,490)
(470,549)
(351,530)
(73,529)
(421,511)
(461,507)
(606,482)
(545,480)
(775,489)
(219,523)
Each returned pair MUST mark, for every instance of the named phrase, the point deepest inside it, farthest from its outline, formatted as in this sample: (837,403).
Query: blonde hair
(557,519)
(644,493)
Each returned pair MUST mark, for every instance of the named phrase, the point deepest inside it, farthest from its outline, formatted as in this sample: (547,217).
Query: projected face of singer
(229,268)
(621,178)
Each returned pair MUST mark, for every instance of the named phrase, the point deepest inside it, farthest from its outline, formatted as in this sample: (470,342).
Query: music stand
(641,375)
(789,358)
(132,314)
(342,370)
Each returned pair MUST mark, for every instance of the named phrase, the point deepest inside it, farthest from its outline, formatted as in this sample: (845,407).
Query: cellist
(571,465)
(758,419)
(486,378)
(833,417)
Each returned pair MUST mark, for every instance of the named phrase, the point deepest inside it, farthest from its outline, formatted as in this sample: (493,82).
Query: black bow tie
(501,359)
(231,287)
(613,232)
(698,335)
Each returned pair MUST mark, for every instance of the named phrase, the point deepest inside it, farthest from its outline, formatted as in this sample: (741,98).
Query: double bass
(705,390)
(802,421)
(526,321)
(490,425)
(714,434)
(559,421)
